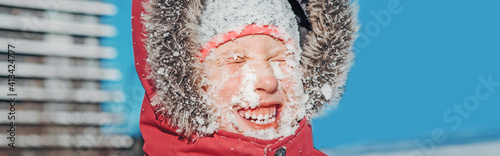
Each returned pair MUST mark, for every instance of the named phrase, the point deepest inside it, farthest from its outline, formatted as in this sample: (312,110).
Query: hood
(166,47)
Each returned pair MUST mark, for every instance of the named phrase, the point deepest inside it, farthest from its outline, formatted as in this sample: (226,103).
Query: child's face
(251,83)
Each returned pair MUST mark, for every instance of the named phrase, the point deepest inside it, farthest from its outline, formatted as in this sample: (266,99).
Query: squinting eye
(235,59)
(278,60)
(239,59)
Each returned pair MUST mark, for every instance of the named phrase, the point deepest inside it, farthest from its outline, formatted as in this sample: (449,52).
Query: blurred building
(59,79)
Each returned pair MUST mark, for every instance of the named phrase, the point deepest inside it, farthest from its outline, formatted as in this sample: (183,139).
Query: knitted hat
(243,17)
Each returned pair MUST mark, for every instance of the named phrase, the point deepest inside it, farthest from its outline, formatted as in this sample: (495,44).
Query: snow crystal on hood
(327,91)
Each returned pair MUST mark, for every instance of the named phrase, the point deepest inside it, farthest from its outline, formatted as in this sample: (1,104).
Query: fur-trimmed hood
(166,49)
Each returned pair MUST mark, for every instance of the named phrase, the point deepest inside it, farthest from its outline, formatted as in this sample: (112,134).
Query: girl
(238,77)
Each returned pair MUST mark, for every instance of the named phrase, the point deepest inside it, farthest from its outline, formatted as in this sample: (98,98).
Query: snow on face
(254,83)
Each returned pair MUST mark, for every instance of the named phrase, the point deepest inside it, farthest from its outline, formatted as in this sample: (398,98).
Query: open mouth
(261,115)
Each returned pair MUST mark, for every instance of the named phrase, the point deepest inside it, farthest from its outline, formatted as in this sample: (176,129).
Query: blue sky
(412,68)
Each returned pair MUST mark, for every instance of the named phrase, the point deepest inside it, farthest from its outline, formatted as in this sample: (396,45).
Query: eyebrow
(275,53)
(281,51)
(229,52)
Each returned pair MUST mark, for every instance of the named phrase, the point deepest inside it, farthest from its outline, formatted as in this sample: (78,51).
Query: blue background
(427,58)
(130,83)
(407,73)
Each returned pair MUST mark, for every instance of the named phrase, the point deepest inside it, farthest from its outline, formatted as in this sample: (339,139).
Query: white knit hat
(237,15)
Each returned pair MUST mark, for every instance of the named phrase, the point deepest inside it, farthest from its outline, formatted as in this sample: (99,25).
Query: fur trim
(328,55)
(173,47)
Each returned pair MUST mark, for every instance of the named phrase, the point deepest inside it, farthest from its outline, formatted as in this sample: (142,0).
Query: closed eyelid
(281,56)
(242,55)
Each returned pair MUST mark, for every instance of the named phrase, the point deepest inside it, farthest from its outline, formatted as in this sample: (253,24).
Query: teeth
(266,121)
(260,117)
(258,122)
(247,115)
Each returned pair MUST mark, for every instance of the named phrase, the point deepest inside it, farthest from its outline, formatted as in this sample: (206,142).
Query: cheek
(287,85)
(225,84)
(292,84)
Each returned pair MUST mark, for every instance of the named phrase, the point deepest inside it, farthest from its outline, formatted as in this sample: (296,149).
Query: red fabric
(161,139)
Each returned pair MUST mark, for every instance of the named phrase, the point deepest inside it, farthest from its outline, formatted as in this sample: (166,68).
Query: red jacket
(161,138)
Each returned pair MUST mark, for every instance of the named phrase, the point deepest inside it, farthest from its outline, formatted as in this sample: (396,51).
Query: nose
(266,80)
